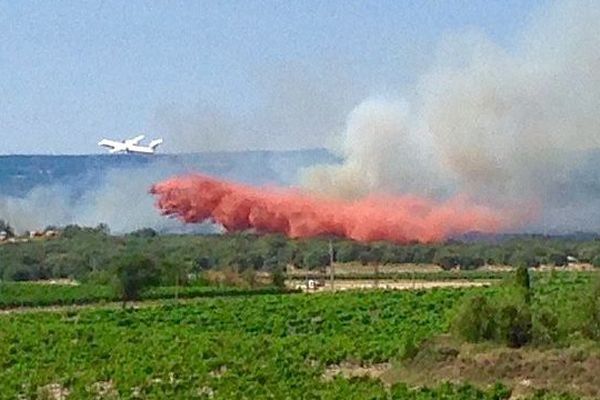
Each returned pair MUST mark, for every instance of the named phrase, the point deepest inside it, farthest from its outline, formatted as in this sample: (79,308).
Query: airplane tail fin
(154,144)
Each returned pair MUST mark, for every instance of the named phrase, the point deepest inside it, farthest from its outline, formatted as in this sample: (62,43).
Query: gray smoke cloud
(298,107)
(492,122)
(43,206)
(120,200)
(199,128)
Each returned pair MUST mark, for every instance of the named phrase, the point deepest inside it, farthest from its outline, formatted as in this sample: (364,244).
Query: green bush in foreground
(519,313)
(134,273)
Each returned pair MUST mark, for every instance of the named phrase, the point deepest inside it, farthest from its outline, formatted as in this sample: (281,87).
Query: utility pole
(331,267)
(376,271)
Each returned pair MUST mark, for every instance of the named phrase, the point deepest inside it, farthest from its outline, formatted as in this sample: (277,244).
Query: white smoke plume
(381,154)
(121,201)
(485,121)
(43,206)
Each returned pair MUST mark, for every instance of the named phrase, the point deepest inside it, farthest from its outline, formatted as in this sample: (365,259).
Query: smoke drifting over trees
(496,124)
(120,200)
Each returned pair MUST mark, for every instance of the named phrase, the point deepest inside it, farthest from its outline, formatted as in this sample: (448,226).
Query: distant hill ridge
(19,174)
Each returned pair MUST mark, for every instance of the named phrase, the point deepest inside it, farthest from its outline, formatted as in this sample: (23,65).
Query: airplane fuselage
(130,146)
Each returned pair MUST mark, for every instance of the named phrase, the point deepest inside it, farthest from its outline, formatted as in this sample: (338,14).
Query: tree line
(85,253)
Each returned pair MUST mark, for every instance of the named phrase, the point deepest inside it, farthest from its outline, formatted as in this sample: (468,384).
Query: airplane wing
(140,149)
(112,145)
(109,143)
(134,141)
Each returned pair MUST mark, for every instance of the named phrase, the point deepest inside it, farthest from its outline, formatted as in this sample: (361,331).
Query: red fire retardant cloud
(197,198)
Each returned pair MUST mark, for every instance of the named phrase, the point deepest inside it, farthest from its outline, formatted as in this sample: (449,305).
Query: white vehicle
(130,145)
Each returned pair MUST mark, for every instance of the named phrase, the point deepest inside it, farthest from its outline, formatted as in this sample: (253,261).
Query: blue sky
(216,75)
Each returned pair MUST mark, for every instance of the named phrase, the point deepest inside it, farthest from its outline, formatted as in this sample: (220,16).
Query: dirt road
(388,284)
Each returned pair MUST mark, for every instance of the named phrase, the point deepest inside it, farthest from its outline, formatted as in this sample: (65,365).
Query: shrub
(226,276)
(470,263)
(134,273)
(474,320)
(558,259)
(365,258)
(514,325)
(249,276)
(5,227)
(409,349)
(508,319)
(144,233)
(316,259)
(524,259)
(592,312)
(545,326)
(278,277)
(523,282)
(446,259)
(203,263)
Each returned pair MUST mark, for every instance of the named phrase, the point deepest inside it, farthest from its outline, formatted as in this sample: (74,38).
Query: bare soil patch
(353,370)
(526,370)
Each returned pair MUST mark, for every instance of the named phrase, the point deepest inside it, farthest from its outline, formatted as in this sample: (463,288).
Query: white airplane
(130,145)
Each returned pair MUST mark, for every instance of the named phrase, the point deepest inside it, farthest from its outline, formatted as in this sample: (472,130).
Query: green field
(23,294)
(270,346)
(267,346)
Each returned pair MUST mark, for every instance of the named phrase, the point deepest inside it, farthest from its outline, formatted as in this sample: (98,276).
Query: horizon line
(165,153)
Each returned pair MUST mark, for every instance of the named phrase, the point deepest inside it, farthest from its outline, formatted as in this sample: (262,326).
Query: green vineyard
(258,347)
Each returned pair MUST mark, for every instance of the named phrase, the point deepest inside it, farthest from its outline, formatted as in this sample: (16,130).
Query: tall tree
(134,273)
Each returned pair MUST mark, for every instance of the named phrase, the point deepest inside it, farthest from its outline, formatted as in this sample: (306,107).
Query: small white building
(313,284)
